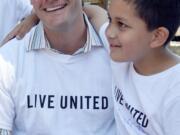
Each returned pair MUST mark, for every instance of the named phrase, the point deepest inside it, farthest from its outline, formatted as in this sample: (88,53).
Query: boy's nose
(111,32)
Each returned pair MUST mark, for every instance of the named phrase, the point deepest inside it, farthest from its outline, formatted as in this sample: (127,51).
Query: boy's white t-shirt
(46,93)
(12,11)
(145,105)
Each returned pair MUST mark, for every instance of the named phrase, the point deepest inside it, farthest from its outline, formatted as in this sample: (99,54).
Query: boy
(146,74)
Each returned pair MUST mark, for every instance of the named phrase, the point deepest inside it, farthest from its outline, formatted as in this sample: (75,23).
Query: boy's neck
(158,61)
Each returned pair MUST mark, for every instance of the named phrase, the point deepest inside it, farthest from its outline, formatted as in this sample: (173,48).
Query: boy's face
(55,14)
(127,34)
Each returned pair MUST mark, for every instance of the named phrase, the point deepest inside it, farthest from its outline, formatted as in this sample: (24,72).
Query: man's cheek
(37,3)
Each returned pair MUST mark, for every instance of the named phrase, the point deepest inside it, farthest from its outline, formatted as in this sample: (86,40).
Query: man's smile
(55,8)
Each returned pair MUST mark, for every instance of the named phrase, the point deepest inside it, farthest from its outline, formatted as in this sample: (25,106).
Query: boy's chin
(116,58)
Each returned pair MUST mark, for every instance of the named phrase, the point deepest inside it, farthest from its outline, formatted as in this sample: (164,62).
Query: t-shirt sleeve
(102,34)
(6,103)
(171,116)
(24,8)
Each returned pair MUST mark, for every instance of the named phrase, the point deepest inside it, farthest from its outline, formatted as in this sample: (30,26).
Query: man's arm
(5,132)
(97,15)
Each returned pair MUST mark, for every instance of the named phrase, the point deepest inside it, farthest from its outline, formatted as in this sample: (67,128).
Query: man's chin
(56,26)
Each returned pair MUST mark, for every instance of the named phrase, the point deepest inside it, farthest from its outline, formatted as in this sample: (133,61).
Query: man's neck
(71,40)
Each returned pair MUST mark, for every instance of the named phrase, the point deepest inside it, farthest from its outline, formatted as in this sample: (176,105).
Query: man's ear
(160,35)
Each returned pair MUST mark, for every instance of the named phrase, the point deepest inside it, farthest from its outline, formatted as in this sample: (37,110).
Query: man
(12,11)
(57,80)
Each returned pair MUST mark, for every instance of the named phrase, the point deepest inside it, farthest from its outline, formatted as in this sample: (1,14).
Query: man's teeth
(54,8)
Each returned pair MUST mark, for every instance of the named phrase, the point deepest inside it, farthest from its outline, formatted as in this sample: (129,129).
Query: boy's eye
(122,25)
(109,18)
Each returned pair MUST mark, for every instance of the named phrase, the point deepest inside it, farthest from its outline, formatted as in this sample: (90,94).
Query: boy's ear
(160,35)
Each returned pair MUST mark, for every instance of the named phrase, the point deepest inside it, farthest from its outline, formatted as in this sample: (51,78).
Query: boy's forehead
(121,7)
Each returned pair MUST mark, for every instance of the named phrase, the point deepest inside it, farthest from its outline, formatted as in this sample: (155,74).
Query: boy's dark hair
(159,13)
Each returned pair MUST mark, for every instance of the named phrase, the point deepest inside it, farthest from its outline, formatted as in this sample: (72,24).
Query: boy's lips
(114,45)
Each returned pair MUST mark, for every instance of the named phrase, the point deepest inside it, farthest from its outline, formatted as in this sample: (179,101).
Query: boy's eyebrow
(121,19)
(118,18)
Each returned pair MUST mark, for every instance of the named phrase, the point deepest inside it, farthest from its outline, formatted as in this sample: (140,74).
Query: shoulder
(8,56)
(120,70)
(121,66)
(173,81)
(11,56)
(170,110)
(97,15)
(12,50)
(7,65)
(102,35)
(174,76)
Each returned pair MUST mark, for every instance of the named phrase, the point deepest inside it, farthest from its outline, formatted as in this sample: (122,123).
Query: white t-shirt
(145,105)
(46,93)
(12,11)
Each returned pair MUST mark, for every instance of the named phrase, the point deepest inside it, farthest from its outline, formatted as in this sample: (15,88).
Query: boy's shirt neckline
(162,73)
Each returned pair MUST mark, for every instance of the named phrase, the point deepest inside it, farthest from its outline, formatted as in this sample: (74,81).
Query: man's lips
(59,7)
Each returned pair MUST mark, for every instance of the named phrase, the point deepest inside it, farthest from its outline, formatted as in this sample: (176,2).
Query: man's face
(56,14)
